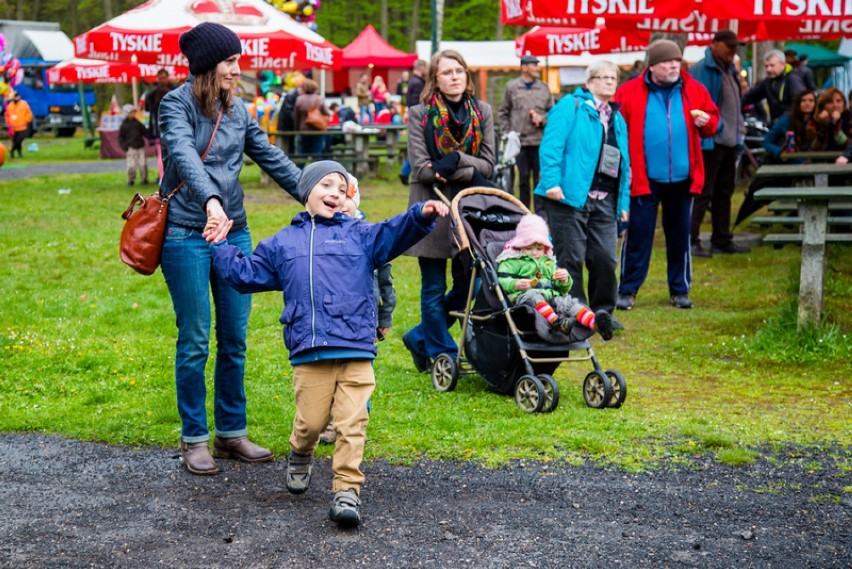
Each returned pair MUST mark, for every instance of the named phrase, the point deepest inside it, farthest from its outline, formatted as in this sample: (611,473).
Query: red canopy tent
(270,38)
(370,52)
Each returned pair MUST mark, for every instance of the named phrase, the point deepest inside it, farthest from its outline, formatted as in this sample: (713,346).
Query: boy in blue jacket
(324,262)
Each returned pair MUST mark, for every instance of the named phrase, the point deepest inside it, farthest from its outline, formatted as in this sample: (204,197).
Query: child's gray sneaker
(298,472)
(345,509)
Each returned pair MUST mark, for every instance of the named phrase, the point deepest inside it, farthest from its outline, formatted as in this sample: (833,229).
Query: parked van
(39,46)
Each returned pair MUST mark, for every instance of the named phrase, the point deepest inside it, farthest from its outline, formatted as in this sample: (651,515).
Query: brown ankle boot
(240,448)
(196,457)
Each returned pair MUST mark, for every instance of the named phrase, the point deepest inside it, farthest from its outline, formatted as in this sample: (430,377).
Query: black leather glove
(447,165)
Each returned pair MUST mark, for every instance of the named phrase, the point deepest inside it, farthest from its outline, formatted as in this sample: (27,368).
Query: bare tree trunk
(414,30)
(73,18)
(19,10)
(383,19)
(108,9)
(493,79)
(36,6)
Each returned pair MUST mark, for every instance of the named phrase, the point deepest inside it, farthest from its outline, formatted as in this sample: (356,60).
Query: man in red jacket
(667,112)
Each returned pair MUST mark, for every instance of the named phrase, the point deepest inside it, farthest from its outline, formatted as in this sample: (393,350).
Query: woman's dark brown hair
(798,119)
(209,95)
(431,86)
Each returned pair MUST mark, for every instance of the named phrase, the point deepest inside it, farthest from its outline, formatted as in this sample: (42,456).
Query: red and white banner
(575,12)
(574,41)
(77,70)
(270,38)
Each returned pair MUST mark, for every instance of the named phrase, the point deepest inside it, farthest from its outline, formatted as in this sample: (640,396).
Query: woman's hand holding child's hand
(218,224)
(560,275)
(523,284)
(434,207)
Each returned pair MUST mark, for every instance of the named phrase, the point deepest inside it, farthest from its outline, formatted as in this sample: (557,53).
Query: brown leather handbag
(141,243)
(316,119)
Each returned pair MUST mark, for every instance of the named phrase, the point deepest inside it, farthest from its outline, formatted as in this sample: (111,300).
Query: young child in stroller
(528,273)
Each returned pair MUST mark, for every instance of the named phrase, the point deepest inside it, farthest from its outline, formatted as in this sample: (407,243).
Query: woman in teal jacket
(585,174)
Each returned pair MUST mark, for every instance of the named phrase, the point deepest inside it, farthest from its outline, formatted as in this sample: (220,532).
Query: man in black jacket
(780,87)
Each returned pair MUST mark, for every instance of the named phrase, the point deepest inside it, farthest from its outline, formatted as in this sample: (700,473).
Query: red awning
(370,49)
(567,12)
(270,38)
(573,41)
(77,70)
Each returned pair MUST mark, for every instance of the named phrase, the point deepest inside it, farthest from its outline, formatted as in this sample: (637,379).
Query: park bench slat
(797,238)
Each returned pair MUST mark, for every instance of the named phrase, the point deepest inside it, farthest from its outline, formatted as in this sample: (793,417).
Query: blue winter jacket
(185,134)
(570,150)
(708,73)
(325,269)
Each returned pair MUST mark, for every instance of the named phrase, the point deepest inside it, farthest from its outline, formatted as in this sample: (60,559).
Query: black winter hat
(208,44)
(316,171)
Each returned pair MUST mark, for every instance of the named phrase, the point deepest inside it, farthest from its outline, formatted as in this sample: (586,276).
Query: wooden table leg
(362,150)
(815,216)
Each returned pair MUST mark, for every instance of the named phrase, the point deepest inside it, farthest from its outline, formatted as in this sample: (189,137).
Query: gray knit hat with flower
(207,45)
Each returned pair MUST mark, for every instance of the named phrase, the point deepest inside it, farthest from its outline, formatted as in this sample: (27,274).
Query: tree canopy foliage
(339,21)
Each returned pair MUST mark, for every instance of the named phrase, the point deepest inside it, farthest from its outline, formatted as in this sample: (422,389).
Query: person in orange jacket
(18,119)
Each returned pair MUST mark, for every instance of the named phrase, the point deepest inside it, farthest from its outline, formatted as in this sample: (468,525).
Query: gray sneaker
(345,509)
(298,472)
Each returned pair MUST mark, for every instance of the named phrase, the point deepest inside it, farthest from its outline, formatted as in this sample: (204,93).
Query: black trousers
(18,142)
(587,236)
(719,181)
(527,162)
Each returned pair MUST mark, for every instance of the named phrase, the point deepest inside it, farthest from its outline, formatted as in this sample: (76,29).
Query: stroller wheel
(618,386)
(445,373)
(529,394)
(551,393)
(596,390)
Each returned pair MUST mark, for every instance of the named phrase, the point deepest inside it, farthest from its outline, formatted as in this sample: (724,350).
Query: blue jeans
(365,110)
(406,168)
(190,277)
(432,337)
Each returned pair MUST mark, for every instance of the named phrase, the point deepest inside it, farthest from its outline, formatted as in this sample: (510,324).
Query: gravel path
(13,172)
(73,504)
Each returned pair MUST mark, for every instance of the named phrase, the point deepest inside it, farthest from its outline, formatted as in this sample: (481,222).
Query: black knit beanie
(314,172)
(208,44)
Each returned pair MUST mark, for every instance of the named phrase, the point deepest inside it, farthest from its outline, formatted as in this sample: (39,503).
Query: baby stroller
(498,339)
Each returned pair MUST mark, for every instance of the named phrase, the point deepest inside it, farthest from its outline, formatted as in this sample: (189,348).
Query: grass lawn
(87,348)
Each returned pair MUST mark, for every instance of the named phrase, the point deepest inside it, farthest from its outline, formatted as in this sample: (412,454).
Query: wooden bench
(768,220)
(792,206)
(813,207)
(797,238)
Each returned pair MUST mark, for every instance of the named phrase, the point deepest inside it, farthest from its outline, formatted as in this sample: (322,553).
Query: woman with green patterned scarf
(450,144)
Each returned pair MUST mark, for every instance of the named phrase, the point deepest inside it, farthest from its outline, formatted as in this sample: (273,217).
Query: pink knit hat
(531,229)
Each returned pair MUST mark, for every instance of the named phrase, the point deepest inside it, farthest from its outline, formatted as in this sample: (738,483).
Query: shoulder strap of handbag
(204,155)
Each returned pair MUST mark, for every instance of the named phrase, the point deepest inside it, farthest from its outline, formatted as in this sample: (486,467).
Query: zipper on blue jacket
(311,284)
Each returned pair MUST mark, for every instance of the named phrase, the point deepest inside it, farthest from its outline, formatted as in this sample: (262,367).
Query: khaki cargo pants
(336,390)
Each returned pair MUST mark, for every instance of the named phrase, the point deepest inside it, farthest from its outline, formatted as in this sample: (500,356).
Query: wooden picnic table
(812,155)
(813,209)
(358,143)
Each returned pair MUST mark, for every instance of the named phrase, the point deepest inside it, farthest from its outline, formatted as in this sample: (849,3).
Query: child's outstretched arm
(394,236)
